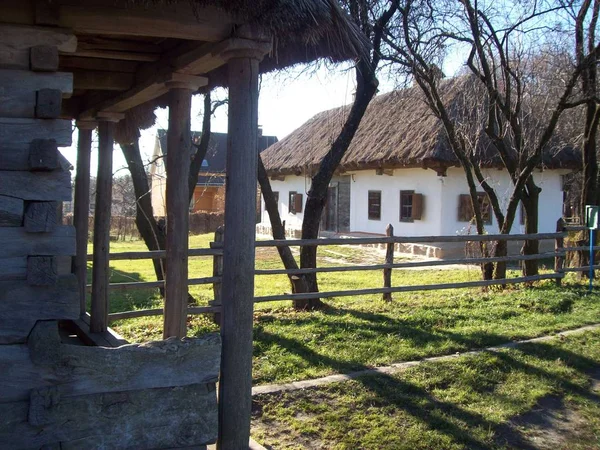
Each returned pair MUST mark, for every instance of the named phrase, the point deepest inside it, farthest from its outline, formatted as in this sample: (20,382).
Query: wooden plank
(82,206)
(155,254)
(16,41)
(178,167)
(100,268)
(16,133)
(80,370)
(48,103)
(125,56)
(166,20)
(405,239)
(157,284)
(15,242)
(235,388)
(36,186)
(43,58)
(158,312)
(78,63)
(20,87)
(41,271)
(430,287)
(102,80)
(389,261)
(150,419)
(21,306)
(16,268)
(11,211)
(41,217)
(43,155)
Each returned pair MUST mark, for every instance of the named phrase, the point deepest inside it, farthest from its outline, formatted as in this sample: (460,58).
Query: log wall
(54,394)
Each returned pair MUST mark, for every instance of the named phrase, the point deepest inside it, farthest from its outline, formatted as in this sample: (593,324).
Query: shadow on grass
(131,299)
(389,392)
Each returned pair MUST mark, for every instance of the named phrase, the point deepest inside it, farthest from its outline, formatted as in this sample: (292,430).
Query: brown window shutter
(298,203)
(465,208)
(417,206)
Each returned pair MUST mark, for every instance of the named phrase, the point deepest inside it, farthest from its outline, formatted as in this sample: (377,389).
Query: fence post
(559,244)
(217,272)
(389,259)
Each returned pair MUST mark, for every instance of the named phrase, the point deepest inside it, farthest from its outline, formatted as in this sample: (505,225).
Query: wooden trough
(106,65)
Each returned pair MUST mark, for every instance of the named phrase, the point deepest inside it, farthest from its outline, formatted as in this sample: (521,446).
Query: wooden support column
(102,210)
(235,386)
(82,206)
(179,142)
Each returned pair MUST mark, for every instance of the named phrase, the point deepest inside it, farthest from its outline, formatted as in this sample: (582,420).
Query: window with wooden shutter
(465,208)
(411,206)
(417,206)
(374,205)
(298,203)
(291,202)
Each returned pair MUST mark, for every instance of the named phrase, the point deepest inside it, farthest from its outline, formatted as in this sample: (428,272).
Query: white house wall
(421,181)
(455,184)
(440,200)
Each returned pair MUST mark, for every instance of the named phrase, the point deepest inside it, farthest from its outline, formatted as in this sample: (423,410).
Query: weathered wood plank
(22,305)
(41,217)
(11,211)
(18,96)
(150,419)
(43,58)
(43,155)
(79,370)
(15,242)
(41,271)
(40,186)
(48,103)
(16,268)
(15,133)
(16,41)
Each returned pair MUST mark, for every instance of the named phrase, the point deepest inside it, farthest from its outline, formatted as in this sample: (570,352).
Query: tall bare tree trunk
(153,235)
(531,202)
(317,195)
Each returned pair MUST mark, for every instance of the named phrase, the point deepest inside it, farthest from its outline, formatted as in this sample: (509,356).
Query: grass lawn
(363,331)
(510,399)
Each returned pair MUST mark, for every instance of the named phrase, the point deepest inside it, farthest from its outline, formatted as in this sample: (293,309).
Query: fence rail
(216,252)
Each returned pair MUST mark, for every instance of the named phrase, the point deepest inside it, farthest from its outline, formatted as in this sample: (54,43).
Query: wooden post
(389,259)
(179,142)
(559,247)
(235,386)
(82,206)
(217,272)
(102,210)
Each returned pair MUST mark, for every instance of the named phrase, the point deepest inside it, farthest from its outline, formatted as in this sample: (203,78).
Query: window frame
(377,192)
(404,193)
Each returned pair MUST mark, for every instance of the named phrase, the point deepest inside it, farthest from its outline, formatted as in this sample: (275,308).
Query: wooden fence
(390,241)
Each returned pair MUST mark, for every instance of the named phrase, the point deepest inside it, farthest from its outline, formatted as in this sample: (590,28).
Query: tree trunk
(366,88)
(152,234)
(500,267)
(202,147)
(278,230)
(531,200)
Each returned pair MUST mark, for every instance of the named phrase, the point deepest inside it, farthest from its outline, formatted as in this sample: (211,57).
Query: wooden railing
(390,241)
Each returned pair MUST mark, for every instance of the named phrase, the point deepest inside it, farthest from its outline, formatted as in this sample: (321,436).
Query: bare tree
(500,54)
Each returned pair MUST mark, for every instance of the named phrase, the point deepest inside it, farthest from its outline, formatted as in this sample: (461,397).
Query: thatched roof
(302,31)
(398,130)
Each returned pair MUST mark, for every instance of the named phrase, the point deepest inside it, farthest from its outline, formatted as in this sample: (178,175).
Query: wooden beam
(82,207)
(178,165)
(142,93)
(21,132)
(106,81)
(40,186)
(16,241)
(100,268)
(178,20)
(235,387)
(71,63)
(16,42)
(111,54)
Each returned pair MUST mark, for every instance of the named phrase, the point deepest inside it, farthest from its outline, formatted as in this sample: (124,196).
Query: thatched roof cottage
(107,64)
(399,169)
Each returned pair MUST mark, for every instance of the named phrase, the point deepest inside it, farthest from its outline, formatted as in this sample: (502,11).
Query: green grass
(465,403)
(363,331)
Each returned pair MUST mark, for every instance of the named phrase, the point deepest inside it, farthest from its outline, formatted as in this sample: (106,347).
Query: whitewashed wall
(291,184)
(550,199)
(440,211)
(422,181)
